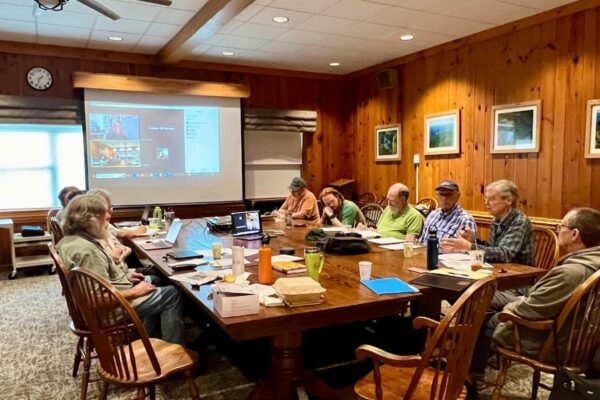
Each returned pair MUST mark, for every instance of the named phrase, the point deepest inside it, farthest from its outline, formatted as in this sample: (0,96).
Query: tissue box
(299,291)
(232,300)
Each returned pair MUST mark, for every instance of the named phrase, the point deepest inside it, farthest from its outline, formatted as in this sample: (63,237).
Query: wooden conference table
(346,300)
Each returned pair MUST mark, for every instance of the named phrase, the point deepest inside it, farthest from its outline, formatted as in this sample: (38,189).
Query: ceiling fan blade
(94,5)
(159,2)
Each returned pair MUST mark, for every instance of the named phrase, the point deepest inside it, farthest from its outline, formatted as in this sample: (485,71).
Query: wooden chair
(441,370)
(546,247)
(372,213)
(55,230)
(84,348)
(127,356)
(366,198)
(578,324)
(384,201)
(428,202)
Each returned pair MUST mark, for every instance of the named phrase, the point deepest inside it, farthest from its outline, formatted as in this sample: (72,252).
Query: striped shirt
(448,223)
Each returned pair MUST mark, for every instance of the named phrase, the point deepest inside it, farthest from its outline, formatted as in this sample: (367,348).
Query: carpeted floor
(36,354)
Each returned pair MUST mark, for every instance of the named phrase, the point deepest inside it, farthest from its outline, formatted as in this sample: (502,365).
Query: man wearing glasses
(449,219)
(579,236)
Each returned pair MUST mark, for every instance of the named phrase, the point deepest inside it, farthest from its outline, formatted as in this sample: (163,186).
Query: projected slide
(157,148)
(153,141)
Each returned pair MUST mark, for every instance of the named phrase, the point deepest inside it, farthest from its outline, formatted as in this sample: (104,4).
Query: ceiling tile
(230,26)
(258,31)
(122,25)
(217,51)
(324,24)
(200,49)
(539,4)
(286,48)
(99,40)
(489,11)
(62,35)
(150,44)
(172,16)
(368,30)
(436,6)
(17,30)
(133,10)
(18,13)
(66,18)
(248,12)
(422,40)
(242,42)
(398,17)
(191,5)
(309,6)
(302,37)
(265,16)
(449,25)
(163,30)
(354,9)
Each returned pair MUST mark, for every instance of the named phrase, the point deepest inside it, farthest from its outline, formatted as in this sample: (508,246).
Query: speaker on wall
(387,79)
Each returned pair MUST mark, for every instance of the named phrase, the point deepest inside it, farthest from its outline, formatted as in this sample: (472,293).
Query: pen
(457,274)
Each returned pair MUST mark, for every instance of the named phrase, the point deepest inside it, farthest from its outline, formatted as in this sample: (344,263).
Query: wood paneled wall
(556,61)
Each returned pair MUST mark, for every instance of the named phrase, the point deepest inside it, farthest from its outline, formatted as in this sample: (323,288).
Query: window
(36,161)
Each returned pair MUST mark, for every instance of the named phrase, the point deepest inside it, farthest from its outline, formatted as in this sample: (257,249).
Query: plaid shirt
(448,223)
(511,240)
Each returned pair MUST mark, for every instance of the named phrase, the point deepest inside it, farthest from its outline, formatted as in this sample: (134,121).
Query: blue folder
(389,286)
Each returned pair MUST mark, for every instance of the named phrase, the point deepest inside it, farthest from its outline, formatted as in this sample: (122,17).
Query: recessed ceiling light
(115,38)
(407,37)
(280,20)
(334,64)
(228,53)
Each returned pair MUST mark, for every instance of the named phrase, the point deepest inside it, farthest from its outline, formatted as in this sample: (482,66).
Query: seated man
(579,236)
(511,235)
(85,225)
(400,219)
(301,202)
(450,218)
(339,211)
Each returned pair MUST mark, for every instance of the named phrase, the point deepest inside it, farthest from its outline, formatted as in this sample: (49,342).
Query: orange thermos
(265,270)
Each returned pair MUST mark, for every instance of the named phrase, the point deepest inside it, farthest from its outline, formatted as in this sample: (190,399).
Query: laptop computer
(167,242)
(452,283)
(246,225)
(130,224)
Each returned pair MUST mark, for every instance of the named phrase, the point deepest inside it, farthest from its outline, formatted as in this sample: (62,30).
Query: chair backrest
(74,311)
(546,247)
(372,213)
(55,230)
(452,343)
(366,198)
(113,325)
(429,202)
(578,327)
(384,201)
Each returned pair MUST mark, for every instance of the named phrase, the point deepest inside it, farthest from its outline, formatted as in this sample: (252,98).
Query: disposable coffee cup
(364,268)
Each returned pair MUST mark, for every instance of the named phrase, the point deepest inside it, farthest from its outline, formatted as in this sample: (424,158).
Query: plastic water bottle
(432,249)
(156,217)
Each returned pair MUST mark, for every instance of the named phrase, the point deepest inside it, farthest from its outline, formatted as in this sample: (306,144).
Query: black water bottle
(432,249)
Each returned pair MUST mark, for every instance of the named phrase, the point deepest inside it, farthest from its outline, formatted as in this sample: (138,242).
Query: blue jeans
(161,314)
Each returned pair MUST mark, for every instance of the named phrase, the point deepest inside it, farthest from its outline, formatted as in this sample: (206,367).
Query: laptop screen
(245,223)
(173,231)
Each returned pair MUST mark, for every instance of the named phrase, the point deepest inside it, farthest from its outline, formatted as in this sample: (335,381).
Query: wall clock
(39,78)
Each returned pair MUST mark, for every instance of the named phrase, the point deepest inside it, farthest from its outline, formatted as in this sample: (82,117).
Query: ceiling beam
(207,21)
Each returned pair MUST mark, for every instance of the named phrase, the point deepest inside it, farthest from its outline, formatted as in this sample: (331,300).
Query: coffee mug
(314,260)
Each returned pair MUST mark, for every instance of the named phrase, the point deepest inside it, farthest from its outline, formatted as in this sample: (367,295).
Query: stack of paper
(464,274)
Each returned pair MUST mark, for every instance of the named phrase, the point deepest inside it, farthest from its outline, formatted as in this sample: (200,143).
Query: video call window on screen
(115,140)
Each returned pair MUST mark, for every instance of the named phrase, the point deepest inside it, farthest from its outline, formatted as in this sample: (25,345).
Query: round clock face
(39,78)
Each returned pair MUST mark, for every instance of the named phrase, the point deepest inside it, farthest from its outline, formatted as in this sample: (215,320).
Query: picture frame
(388,142)
(516,127)
(442,133)
(592,130)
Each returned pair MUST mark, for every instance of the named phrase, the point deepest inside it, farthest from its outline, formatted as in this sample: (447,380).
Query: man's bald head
(397,197)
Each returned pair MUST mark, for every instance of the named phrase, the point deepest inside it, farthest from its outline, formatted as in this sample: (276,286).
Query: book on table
(289,267)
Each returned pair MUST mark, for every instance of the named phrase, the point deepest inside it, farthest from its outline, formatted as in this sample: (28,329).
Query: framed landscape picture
(516,127)
(387,142)
(442,133)
(592,131)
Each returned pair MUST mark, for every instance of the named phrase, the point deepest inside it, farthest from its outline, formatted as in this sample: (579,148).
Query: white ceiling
(356,33)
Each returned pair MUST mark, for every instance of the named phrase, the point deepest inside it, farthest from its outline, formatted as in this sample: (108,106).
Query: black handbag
(344,245)
(570,386)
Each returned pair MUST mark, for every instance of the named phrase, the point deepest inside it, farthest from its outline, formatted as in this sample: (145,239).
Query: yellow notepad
(464,274)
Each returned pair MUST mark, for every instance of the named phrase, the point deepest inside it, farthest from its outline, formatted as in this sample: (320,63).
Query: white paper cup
(364,268)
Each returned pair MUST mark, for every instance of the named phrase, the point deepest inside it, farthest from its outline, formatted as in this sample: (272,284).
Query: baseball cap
(297,183)
(447,184)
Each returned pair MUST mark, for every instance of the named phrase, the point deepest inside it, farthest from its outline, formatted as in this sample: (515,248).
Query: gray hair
(101,192)
(505,189)
(81,214)
(587,222)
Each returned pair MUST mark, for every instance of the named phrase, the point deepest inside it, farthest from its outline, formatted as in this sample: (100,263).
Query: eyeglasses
(560,226)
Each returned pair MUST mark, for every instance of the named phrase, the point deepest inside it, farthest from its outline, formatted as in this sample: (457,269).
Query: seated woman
(339,211)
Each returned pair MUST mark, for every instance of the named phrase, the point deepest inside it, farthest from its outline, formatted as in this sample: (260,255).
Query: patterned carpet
(36,353)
